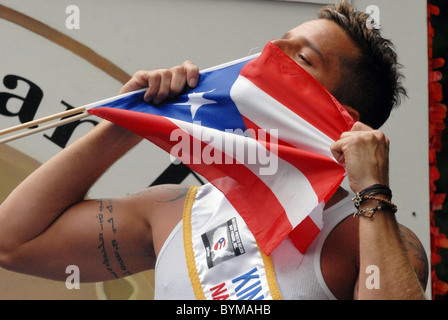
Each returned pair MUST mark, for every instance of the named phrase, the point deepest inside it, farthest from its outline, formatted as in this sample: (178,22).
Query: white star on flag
(196,100)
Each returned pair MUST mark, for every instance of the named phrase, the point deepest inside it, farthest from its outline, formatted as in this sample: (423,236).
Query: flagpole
(33,123)
(70,119)
(73,114)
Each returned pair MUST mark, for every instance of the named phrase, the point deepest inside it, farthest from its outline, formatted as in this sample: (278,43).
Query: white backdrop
(148,34)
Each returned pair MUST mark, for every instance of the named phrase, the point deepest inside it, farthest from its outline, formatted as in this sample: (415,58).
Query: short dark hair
(371,83)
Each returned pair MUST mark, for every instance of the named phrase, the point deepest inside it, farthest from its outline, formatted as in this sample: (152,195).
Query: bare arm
(365,153)
(45,223)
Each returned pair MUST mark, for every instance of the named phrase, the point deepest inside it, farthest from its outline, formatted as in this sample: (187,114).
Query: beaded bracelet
(388,203)
(370,193)
(368,213)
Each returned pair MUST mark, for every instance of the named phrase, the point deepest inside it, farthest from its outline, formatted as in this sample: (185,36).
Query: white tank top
(295,282)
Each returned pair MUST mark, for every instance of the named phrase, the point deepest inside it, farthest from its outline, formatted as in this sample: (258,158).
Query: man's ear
(353,113)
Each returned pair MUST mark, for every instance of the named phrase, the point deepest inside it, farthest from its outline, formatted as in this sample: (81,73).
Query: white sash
(223,258)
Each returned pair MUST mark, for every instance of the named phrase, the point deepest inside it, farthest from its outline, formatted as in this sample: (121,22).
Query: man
(46,224)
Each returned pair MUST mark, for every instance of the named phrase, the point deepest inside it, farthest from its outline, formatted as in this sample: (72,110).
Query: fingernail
(193,82)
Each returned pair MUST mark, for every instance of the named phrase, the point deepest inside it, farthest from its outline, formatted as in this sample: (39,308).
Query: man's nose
(285,45)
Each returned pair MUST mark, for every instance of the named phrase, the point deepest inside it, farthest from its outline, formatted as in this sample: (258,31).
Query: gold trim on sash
(270,275)
(188,244)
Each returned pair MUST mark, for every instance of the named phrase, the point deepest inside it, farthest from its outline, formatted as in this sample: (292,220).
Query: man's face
(317,47)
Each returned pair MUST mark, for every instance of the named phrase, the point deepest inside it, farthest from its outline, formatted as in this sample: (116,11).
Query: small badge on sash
(222,243)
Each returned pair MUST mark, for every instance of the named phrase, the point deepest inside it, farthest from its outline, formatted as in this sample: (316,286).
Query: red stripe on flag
(304,234)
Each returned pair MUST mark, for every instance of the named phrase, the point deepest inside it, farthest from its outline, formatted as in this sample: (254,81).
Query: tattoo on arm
(177,193)
(111,221)
(415,248)
(105,212)
(174,192)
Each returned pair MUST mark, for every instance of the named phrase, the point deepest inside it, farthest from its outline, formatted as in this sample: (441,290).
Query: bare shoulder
(162,207)
(159,203)
(416,254)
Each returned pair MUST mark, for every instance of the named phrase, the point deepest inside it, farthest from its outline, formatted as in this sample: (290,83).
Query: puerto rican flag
(259,129)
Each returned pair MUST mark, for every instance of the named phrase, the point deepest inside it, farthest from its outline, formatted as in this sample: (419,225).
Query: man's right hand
(163,83)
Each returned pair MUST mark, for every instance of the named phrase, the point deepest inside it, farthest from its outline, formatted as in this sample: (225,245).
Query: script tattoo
(107,223)
(106,261)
